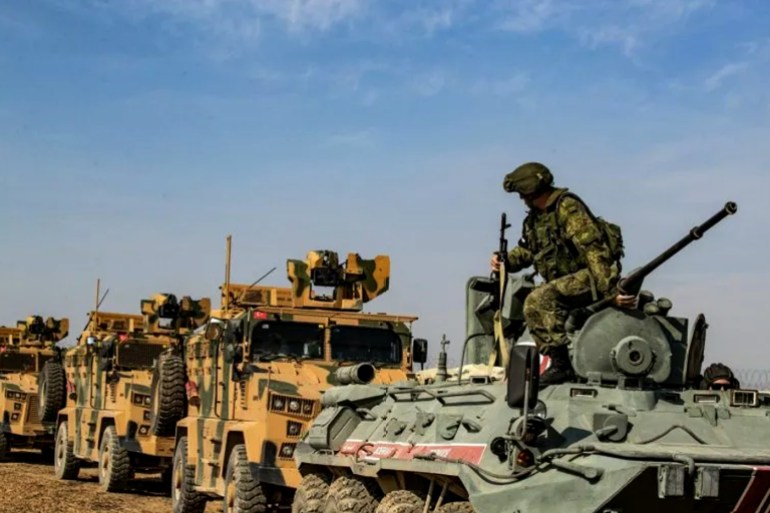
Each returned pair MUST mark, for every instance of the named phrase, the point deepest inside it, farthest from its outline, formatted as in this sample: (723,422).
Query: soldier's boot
(560,370)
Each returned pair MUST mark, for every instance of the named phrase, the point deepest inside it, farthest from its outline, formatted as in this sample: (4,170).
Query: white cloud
(610,35)
(716,80)
(309,14)
(527,16)
(239,21)
(627,24)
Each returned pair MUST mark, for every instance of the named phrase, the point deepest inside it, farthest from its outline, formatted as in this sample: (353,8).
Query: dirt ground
(27,484)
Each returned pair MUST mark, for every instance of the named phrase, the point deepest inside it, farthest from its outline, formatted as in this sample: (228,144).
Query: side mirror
(523,376)
(419,351)
(214,331)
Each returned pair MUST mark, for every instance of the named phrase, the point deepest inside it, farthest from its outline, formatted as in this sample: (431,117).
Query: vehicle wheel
(114,463)
(352,495)
(311,493)
(401,501)
(65,464)
(168,395)
(243,493)
(184,498)
(456,507)
(4,446)
(52,391)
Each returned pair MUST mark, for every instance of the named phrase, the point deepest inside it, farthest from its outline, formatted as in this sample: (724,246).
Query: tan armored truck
(126,384)
(259,367)
(30,365)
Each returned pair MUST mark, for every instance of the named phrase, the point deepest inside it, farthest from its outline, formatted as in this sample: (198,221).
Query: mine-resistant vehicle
(257,373)
(126,390)
(633,432)
(30,363)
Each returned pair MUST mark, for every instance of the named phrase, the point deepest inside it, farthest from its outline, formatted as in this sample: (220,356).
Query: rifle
(502,278)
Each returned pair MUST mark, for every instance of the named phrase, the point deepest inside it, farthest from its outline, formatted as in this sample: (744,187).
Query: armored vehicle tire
(4,446)
(456,507)
(52,390)
(65,464)
(114,463)
(168,395)
(243,493)
(401,501)
(184,498)
(352,495)
(310,495)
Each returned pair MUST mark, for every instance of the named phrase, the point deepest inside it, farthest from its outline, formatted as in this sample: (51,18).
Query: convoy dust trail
(27,484)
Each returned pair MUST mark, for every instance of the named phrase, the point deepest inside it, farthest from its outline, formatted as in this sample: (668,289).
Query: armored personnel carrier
(30,364)
(126,383)
(258,368)
(632,433)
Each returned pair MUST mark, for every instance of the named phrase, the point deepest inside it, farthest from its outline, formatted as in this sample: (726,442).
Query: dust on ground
(27,484)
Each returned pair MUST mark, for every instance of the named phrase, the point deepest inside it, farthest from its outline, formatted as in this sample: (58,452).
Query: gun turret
(354,283)
(164,312)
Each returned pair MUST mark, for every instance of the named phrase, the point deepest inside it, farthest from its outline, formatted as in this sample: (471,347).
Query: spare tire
(52,390)
(169,397)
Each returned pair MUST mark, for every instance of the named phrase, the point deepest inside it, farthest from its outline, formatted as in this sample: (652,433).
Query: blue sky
(136,134)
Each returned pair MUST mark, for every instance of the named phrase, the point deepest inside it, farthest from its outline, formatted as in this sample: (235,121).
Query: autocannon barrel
(359,374)
(632,283)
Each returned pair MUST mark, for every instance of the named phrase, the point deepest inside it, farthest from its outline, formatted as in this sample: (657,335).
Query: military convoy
(30,364)
(295,397)
(632,433)
(126,390)
(259,367)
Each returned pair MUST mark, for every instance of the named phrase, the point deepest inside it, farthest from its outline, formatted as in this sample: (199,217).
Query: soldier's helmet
(528,178)
(719,375)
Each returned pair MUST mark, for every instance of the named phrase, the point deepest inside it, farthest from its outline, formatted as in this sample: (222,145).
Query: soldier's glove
(494,262)
(625,301)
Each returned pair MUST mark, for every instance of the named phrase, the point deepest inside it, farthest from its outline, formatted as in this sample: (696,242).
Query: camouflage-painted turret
(356,282)
(29,362)
(127,380)
(633,433)
(258,369)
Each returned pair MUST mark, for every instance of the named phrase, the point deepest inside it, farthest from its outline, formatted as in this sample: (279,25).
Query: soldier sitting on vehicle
(719,376)
(576,254)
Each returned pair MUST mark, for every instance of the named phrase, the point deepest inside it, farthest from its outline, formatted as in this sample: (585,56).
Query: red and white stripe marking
(471,453)
(756,496)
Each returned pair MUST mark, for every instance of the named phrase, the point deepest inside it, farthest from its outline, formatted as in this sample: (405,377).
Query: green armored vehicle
(632,433)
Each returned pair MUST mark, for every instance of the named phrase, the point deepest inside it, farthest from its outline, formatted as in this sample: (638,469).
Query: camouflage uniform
(568,249)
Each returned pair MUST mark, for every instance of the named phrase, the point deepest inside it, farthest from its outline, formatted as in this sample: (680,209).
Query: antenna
(228,256)
(255,283)
(94,316)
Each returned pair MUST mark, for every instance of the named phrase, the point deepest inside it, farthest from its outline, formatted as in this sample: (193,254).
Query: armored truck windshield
(137,354)
(18,362)
(381,345)
(296,339)
(306,340)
